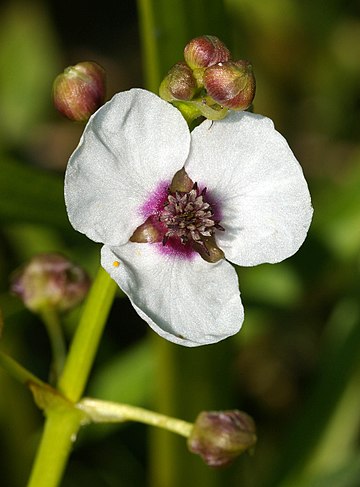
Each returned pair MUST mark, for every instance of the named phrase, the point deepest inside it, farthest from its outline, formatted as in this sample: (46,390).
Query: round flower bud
(179,83)
(231,84)
(50,280)
(220,436)
(79,91)
(205,51)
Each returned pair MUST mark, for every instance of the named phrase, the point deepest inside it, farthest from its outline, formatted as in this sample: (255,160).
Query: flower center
(189,217)
(179,216)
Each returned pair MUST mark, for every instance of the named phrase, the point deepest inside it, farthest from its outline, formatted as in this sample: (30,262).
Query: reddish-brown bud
(205,51)
(231,84)
(79,91)
(178,84)
(220,436)
(50,280)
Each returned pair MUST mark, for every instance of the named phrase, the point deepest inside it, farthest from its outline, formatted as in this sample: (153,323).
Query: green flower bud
(205,51)
(220,436)
(231,84)
(79,91)
(179,83)
(50,280)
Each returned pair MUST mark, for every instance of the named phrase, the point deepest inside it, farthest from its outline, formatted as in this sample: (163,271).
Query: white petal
(189,302)
(130,146)
(260,188)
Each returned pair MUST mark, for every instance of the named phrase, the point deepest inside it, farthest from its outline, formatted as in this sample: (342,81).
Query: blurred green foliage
(295,366)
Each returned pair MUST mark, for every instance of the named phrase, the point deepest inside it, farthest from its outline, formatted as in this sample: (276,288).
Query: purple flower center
(181,219)
(188,216)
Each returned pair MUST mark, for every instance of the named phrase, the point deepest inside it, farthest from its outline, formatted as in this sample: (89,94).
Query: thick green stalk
(162,444)
(88,334)
(149,45)
(58,437)
(62,424)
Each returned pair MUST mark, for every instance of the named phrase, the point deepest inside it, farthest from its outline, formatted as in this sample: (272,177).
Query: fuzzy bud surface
(50,280)
(231,84)
(79,91)
(220,436)
(205,51)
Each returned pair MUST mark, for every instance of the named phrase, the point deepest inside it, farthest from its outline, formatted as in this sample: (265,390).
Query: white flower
(258,209)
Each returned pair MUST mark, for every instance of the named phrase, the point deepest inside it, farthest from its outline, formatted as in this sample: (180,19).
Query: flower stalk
(17,371)
(98,411)
(58,437)
(50,318)
(86,341)
(62,424)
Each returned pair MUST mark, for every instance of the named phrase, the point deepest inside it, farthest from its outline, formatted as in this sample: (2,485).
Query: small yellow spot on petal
(116,263)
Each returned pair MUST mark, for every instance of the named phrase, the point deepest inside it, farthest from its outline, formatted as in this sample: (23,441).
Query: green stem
(17,371)
(149,45)
(86,341)
(162,445)
(59,434)
(52,323)
(62,424)
(110,412)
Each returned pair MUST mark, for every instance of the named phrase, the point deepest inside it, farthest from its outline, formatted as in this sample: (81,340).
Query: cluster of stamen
(188,217)
(182,219)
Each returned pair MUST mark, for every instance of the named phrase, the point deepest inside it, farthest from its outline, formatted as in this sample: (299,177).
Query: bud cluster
(209,80)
